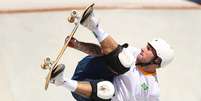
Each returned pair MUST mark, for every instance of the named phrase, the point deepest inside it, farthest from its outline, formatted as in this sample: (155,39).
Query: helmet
(163,50)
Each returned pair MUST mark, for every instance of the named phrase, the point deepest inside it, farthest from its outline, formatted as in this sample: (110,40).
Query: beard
(139,59)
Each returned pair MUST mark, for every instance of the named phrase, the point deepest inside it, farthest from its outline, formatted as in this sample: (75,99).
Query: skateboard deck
(77,20)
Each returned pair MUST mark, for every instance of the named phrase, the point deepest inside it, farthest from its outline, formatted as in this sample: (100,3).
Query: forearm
(89,48)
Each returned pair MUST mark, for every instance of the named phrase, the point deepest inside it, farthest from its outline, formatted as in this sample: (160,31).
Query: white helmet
(163,50)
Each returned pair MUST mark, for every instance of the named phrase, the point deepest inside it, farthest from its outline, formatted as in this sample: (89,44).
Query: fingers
(72,41)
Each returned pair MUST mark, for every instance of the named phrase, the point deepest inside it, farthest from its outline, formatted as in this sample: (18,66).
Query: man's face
(146,54)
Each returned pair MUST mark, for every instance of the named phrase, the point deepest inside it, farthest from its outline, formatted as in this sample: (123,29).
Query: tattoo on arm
(89,48)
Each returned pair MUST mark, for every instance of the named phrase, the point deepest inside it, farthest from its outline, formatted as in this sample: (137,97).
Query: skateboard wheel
(47,61)
(43,66)
(73,16)
(71,19)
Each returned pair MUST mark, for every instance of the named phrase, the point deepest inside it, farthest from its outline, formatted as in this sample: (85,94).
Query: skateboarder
(113,72)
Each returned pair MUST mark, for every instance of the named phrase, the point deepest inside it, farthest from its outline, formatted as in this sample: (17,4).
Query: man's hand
(73,42)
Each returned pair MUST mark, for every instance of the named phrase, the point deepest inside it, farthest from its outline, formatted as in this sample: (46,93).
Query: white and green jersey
(134,85)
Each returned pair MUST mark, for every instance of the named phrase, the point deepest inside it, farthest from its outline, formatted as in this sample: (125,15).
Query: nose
(143,49)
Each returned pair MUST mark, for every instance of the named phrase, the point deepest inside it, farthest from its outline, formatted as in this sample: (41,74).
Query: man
(114,72)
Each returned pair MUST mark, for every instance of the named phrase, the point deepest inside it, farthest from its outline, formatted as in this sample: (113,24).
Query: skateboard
(74,17)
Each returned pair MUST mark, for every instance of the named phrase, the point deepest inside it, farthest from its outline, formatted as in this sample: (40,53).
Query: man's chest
(134,85)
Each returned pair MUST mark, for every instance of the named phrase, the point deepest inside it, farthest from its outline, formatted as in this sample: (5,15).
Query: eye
(148,48)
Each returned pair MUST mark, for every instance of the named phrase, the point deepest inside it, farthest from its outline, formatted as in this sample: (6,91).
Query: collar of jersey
(146,73)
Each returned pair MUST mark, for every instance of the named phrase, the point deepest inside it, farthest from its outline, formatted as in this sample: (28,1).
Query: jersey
(134,85)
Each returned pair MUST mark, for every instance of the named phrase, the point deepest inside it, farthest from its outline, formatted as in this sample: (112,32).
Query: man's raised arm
(88,48)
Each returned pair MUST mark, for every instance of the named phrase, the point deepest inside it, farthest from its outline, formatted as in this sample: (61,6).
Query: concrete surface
(25,39)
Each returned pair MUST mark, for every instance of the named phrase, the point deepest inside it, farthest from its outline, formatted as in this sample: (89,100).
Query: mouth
(140,55)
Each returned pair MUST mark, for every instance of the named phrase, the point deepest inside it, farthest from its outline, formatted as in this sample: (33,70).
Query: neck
(148,70)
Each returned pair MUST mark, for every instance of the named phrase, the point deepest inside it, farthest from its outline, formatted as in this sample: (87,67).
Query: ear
(158,61)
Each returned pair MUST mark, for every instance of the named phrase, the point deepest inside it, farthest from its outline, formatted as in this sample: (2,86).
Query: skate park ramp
(27,38)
